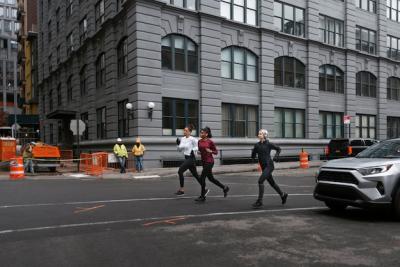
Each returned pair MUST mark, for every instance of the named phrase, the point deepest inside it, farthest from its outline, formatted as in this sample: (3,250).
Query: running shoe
(226,190)
(257,204)
(284,198)
(207,191)
(179,193)
(200,199)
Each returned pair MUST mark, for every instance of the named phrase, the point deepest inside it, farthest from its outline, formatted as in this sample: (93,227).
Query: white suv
(370,179)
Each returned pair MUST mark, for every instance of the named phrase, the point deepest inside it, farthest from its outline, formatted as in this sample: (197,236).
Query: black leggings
(207,172)
(190,164)
(267,175)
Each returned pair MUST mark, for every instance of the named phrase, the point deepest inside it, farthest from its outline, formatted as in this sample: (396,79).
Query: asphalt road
(141,223)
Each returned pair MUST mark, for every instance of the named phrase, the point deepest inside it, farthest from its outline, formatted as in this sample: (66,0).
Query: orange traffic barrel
(304,160)
(17,168)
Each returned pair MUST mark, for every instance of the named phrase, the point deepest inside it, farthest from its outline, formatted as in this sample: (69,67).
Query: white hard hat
(119,140)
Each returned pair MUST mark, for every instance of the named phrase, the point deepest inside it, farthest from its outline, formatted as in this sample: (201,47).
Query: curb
(151,175)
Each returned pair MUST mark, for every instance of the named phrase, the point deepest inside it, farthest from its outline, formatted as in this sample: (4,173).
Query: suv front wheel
(335,206)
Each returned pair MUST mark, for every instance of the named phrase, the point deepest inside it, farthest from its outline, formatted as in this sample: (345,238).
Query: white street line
(132,200)
(146,177)
(282,185)
(63,226)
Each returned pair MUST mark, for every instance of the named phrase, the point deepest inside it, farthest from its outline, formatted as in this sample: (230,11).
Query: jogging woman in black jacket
(263,150)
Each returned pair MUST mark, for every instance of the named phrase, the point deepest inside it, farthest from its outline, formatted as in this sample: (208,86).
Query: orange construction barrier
(349,150)
(94,164)
(8,149)
(86,161)
(17,168)
(303,159)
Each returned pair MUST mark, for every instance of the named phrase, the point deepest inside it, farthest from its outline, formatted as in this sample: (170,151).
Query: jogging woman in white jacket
(189,146)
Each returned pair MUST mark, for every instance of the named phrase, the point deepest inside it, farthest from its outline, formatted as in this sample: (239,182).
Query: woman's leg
(193,170)
(185,165)
(210,175)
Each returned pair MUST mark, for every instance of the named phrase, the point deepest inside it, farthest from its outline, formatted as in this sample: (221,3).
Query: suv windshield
(386,149)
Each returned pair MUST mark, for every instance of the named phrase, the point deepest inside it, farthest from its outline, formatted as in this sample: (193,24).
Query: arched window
(365,84)
(239,63)
(290,72)
(122,52)
(179,53)
(331,79)
(393,88)
(101,71)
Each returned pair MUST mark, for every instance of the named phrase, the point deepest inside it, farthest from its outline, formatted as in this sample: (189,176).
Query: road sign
(346,119)
(75,127)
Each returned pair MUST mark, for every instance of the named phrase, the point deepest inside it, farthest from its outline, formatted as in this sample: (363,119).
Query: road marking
(76,225)
(169,221)
(146,177)
(283,185)
(88,209)
(134,200)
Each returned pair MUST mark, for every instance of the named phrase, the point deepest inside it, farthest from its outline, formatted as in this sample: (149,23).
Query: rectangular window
(58,54)
(7,26)
(59,96)
(123,122)
(58,20)
(331,125)
(50,60)
(85,119)
(49,31)
(368,5)
(365,126)
(101,123)
(177,114)
(289,19)
(99,13)
(239,120)
(83,81)
(82,30)
(393,10)
(70,44)
(331,31)
(289,123)
(244,11)
(69,90)
(393,47)
(393,127)
(69,9)
(51,134)
(365,40)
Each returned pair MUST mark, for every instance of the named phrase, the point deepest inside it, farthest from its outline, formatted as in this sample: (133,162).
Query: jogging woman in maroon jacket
(207,149)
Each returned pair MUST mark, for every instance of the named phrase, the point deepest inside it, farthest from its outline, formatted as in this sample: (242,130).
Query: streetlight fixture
(150,107)
(129,108)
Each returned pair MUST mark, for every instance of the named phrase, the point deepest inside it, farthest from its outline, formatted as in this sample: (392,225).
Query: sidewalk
(223,169)
(160,172)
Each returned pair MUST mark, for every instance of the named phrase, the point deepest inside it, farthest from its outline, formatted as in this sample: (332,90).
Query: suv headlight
(374,170)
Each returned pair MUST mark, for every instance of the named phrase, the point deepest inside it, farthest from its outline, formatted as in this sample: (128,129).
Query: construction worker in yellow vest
(138,152)
(121,154)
